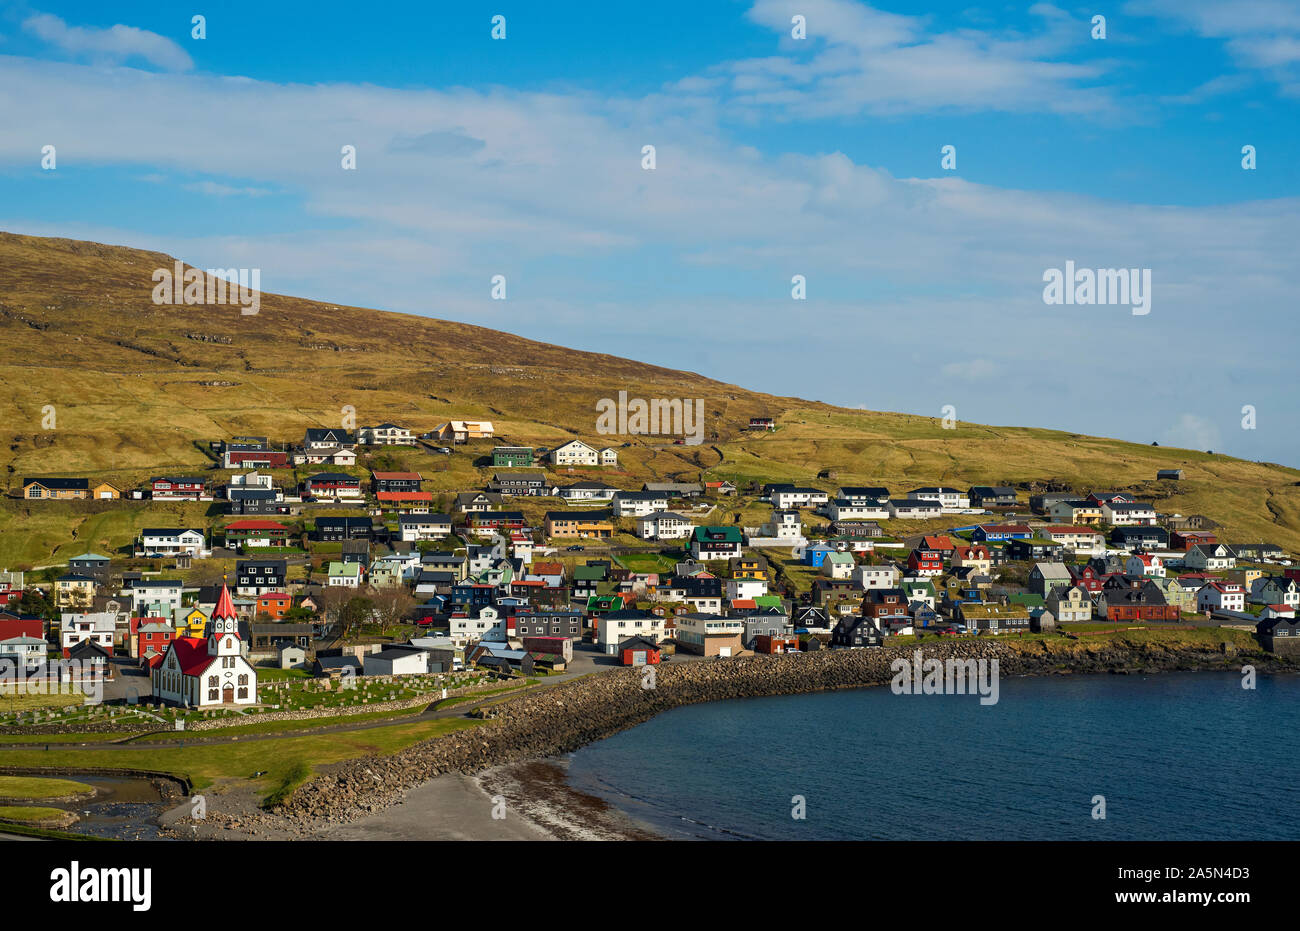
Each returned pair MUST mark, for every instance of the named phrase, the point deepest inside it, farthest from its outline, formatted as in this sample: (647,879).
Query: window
(212,694)
(212,680)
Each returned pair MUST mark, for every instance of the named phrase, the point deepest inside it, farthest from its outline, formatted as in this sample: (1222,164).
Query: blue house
(999,533)
(816,554)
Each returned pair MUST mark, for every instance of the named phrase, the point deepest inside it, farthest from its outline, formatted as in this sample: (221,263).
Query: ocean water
(1177,756)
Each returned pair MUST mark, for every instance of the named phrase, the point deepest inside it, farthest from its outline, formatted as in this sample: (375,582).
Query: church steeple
(223,619)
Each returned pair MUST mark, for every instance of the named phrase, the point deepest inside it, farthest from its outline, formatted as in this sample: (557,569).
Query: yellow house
(105,491)
(749,567)
(55,489)
(190,623)
(74,591)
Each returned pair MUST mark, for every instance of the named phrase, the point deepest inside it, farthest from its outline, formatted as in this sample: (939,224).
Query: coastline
(521,752)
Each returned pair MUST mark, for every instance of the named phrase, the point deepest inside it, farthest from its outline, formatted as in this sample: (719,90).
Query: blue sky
(776,157)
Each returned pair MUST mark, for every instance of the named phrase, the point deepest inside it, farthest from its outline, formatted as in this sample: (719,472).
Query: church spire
(223,615)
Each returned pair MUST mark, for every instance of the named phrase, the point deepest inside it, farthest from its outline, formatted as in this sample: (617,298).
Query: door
(228,694)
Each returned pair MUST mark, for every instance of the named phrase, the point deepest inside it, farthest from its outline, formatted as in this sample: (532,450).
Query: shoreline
(521,752)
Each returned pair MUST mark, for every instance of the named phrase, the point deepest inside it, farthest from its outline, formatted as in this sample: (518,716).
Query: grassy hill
(138,389)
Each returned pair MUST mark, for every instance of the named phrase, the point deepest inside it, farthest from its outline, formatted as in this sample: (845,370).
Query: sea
(1169,756)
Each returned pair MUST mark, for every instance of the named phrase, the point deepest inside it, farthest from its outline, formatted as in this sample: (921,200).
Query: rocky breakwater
(559,719)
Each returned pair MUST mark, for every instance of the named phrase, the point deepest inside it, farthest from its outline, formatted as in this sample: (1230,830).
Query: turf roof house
(208,672)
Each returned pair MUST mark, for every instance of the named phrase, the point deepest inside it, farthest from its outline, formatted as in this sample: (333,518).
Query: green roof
(716,534)
(589,573)
(345,569)
(768,601)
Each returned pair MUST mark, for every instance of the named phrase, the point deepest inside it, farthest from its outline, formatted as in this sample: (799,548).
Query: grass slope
(137,389)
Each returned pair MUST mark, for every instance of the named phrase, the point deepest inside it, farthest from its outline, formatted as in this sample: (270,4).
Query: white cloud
(1192,431)
(114,45)
(858,59)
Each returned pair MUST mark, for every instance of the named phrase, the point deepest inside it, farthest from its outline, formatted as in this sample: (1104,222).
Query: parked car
(575,548)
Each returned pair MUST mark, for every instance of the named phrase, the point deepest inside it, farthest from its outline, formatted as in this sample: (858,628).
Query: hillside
(140,389)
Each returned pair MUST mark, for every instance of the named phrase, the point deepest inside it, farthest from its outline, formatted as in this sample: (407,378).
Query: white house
(1145,564)
(488,625)
(914,509)
(639,503)
(386,434)
(875,576)
(1221,596)
(398,660)
(1210,556)
(414,527)
(609,456)
(574,453)
(345,575)
(253,479)
(1083,541)
(206,672)
(848,509)
(1128,514)
(98,627)
(951,498)
(783,498)
(786,526)
(171,541)
(587,491)
(663,525)
(741,589)
(24,652)
(156,597)
(613,627)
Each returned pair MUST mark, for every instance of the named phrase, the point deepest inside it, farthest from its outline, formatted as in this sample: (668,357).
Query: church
(207,672)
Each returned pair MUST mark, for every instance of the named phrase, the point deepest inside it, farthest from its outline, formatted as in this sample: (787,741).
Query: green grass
(217,765)
(39,787)
(30,814)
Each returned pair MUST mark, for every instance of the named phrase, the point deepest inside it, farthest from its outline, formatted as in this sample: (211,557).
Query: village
(323,568)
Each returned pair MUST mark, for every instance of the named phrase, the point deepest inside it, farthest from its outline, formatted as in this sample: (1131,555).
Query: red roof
(397,476)
(744,603)
(225,609)
(23,627)
(274,596)
(192,652)
(256,525)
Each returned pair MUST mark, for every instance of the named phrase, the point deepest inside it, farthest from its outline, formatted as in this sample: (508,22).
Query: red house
(174,488)
(274,605)
(767,643)
(1186,539)
(925,561)
(150,637)
(1087,576)
(638,651)
(495,520)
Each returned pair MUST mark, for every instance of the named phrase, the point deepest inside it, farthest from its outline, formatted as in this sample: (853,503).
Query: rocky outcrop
(560,719)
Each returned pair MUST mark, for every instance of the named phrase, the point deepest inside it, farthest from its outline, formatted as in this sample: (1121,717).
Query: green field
(39,787)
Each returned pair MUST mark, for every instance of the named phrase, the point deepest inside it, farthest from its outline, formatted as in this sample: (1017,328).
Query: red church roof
(192,652)
(225,608)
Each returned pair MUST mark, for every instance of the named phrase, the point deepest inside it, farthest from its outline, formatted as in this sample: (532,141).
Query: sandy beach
(524,801)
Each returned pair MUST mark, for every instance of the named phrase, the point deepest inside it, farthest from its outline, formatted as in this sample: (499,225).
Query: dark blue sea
(1181,756)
